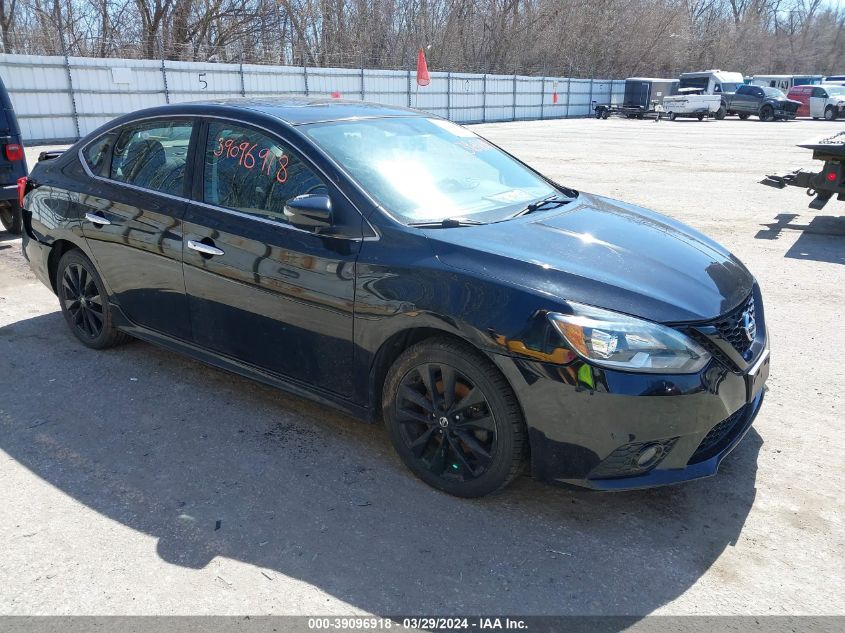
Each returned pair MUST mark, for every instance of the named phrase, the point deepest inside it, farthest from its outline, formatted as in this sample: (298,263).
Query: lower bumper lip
(667,477)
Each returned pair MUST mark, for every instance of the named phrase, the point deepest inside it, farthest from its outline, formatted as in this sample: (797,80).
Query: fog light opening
(649,456)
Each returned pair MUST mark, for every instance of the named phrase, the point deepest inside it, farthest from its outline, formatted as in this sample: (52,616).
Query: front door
(131,213)
(818,101)
(261,290)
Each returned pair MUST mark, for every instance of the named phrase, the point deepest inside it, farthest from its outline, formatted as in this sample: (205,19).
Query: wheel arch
(396,344)
(57,250)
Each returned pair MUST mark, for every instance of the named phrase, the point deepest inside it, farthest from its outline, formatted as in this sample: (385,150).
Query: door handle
(96,219)
(204,249)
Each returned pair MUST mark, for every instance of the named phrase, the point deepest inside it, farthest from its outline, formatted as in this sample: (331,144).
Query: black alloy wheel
(447,422)
(767,113)
(454,419)
(82,299)
(84,302)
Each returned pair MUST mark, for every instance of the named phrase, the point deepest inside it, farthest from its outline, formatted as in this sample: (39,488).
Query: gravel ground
(134,481)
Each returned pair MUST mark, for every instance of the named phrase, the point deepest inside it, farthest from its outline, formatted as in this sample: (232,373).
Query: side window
(743,90)
(819,92)
(97,153)
(252,172)
(152,155)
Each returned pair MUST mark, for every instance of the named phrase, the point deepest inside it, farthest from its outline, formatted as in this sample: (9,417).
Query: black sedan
(399,267)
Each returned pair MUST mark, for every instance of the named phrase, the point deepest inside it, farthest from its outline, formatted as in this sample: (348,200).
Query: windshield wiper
(446,223)
(551,202)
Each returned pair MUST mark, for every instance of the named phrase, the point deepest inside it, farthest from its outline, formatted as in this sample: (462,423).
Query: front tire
(767,113)
(829,114)
(743,117)
(84,302)
(10,217)
(672,116)
(454,419)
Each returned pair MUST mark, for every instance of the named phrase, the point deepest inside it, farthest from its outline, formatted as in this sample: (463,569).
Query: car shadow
(822,239)
(211,465)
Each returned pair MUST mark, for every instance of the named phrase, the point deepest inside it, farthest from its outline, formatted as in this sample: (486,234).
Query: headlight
(618,341)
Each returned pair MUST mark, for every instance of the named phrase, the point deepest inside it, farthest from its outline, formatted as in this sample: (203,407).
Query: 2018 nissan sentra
(399,267)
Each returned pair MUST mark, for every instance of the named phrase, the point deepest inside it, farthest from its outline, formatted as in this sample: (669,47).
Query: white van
(785,82)
(835,79)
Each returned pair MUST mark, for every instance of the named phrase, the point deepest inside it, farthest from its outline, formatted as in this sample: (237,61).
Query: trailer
(690,102)
(822,185)
(643,98)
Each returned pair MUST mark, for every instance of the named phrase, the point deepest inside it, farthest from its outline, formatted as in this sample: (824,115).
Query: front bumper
(587,426)
(783,113)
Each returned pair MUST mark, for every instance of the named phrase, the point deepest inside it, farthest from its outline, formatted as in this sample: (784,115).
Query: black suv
(12,164)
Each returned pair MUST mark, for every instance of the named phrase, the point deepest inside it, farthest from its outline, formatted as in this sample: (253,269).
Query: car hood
(604,253)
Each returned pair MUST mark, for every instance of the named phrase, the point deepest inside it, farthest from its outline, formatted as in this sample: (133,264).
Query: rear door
(131,212)
(261,290)
(744,101)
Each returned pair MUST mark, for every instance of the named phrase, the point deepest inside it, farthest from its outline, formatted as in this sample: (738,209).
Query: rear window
(152,155)
(97,153)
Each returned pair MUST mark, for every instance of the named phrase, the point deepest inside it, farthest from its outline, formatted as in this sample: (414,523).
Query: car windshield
(427,170)
(838,91)
(772,92)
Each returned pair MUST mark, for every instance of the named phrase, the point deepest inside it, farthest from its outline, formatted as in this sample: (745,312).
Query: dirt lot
(134,481)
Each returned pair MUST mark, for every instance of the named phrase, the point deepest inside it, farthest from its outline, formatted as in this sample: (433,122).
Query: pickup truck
(769,104)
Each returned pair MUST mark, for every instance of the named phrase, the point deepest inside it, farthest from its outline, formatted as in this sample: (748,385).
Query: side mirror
(310,211)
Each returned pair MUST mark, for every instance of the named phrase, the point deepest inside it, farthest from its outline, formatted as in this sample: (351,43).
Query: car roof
(302,110)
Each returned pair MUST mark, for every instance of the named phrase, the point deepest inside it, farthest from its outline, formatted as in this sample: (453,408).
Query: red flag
(336,95)
(422,70)
(554,97)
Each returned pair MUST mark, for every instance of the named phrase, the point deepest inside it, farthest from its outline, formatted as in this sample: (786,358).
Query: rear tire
(10,217)
(85,303)
(605,114)
(672,116)
(743,117)
(721,113)
(454,419)
(700,117)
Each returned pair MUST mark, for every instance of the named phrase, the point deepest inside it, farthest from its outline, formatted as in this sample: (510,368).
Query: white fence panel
(433,97)
(391,87)
(266,81)
(466,99)
(529,92)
